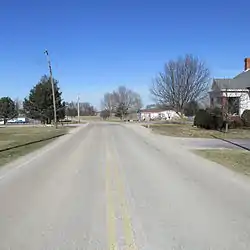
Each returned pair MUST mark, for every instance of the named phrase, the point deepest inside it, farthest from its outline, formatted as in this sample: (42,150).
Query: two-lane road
(108,187)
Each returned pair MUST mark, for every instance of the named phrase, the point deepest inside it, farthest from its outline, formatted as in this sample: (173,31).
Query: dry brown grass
(238,160)
(15,136)
(186,130)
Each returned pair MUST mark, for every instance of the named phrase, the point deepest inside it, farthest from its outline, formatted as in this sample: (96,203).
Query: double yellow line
(113,176)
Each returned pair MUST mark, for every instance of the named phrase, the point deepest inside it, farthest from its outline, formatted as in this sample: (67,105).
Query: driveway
(207,143)
(204,143)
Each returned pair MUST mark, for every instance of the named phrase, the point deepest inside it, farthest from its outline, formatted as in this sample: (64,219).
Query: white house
(153,114)
(233,93)
(15,120)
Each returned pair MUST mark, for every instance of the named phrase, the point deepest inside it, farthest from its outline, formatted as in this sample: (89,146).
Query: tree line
(85,109)
(120,102)
(38,105)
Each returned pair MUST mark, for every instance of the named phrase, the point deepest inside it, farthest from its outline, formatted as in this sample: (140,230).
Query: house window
(212,101)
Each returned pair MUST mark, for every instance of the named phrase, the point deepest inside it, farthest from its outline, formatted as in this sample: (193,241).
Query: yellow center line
(126,218)
(111,227)
(113,174)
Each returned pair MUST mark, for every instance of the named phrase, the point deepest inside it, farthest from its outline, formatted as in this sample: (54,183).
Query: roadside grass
(15,136)
(235,159)
(186,130)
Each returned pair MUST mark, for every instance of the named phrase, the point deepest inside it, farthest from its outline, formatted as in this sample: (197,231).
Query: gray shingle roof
(240,81)
(223,83)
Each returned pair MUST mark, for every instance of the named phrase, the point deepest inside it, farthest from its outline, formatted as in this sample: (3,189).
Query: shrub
(203,119)
(217,118)
(209,119)
(217,122)
(105,114)
(246,118)
(216,111)
(235,122)
(198,119)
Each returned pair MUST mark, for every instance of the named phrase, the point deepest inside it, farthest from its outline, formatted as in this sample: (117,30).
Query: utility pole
(110,109)
(52,86)
(78,108)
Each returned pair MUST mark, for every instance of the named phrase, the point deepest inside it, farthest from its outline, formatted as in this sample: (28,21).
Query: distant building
(153,114)
(18,120)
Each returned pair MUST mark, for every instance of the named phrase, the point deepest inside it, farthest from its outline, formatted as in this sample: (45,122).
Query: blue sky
(97,45)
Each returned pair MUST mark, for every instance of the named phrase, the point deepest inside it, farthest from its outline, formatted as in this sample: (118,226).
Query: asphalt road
(112,186)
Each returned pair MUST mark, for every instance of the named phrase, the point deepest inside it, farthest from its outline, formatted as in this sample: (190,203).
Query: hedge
(208,119)
(245,117)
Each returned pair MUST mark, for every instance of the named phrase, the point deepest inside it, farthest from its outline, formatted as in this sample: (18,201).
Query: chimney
(247,64)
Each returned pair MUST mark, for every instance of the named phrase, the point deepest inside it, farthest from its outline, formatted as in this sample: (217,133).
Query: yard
(186,130)
(15,136)
(235,159)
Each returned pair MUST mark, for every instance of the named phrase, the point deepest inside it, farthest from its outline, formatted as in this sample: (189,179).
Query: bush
(199,117)
(246,118)
(235,122)
(105,114)
(217,118)
(209,119)
(202,119)
(213,119)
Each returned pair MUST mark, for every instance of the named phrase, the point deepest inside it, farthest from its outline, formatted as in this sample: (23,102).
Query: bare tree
(204,102)
(137,104)
(108,103)
(124,97)
(183,80)
(86,109)
(128,98)
(19,106)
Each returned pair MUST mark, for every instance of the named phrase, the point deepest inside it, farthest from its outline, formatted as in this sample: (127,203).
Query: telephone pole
(52,86)
(78,108)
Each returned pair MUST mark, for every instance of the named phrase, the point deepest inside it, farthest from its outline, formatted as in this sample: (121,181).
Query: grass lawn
(14,136)
(238,160)
(186,130)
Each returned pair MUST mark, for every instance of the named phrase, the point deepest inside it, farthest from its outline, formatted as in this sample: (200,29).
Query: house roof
(241,81)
